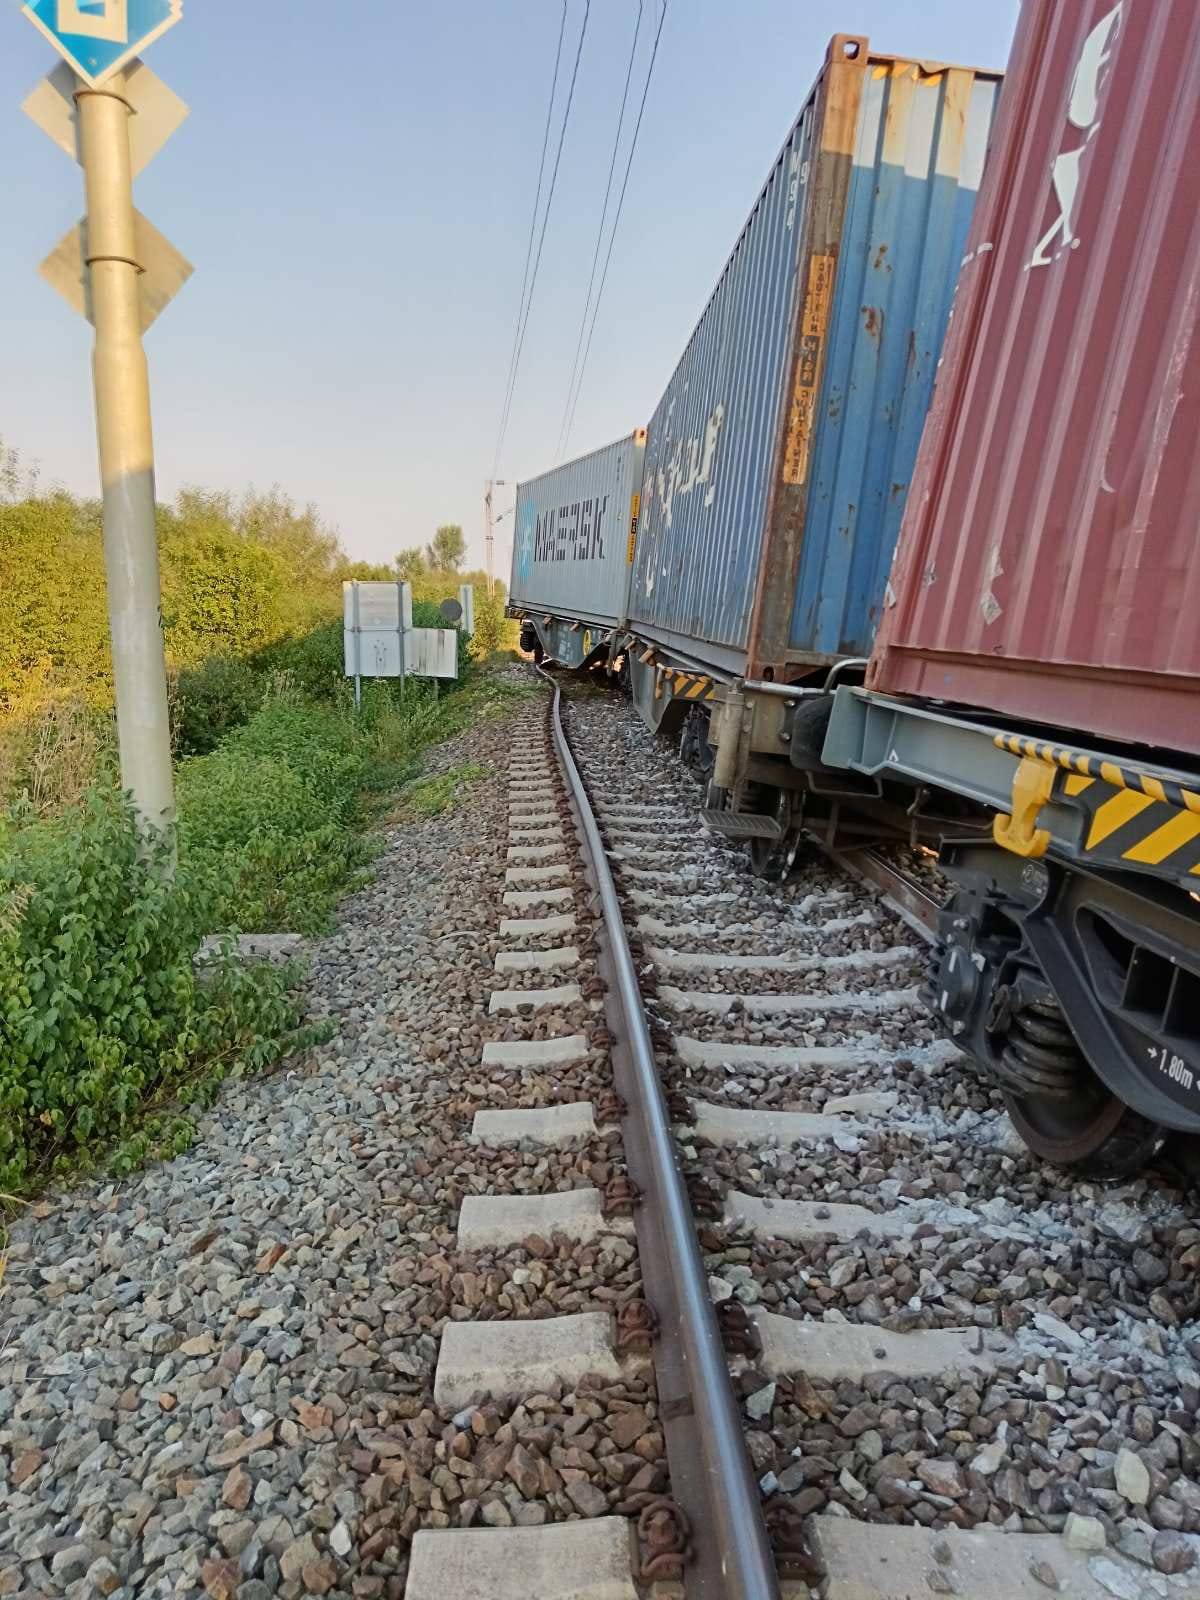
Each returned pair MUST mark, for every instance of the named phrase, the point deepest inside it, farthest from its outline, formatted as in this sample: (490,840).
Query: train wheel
(1058,1105)
(768,858)
(772,858)
(694,749)
(1091,1131)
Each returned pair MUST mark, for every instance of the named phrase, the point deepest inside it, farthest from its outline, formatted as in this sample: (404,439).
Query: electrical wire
(562,134)
(537,203)
(617,221)
(612,167)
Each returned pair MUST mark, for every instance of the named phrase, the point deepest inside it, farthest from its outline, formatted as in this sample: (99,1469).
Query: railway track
(894,1355)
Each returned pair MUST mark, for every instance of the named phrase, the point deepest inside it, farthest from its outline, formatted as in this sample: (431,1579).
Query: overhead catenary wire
(612,168)
(616,223)
(537,204)
(523,321)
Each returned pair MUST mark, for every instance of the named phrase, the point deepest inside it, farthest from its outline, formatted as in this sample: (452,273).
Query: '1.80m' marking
(1172,1066)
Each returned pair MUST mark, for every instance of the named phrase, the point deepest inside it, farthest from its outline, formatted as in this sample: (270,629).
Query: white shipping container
(576,529)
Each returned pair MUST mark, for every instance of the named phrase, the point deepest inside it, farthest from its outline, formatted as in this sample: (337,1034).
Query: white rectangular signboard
(381,642)
(432,652)
(375,617)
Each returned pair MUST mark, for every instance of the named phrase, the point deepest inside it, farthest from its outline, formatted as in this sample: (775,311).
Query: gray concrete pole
(126,442)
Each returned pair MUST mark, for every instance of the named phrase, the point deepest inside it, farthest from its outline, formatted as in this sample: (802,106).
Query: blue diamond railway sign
(99,37)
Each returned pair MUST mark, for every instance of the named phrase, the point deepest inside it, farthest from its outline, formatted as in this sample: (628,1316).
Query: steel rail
(733,1559)
(908,899)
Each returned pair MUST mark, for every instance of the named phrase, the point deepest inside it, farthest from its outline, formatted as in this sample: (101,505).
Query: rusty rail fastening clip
(664,1540)
(794,1555)
(621,1196)
(609,1107)
(637,1327)
(738,1332)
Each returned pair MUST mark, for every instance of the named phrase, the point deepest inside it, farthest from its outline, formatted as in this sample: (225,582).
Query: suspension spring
(1040,1055)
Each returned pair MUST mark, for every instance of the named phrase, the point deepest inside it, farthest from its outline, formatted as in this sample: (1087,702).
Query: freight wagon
(777,463)
(1033,700)
(574,531)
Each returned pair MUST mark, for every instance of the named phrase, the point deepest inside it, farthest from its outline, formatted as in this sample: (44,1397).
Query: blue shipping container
(778,461)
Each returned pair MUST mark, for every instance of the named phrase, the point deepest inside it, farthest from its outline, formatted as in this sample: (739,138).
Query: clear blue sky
(354,187)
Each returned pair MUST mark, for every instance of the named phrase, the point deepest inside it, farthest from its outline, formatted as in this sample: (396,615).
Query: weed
(109,1039)
(214,698)
(52,749)
(428,797)
(103,1018)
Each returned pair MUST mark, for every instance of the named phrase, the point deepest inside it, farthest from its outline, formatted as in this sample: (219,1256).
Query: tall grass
(53,751)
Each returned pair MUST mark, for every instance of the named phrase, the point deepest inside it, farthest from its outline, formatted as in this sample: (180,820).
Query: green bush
(103,1019)
(321,745)
(493,631)
(221,594)
(236,575)
(313,663)
(53,612)
(268,820)
(214,698)
(107,1037)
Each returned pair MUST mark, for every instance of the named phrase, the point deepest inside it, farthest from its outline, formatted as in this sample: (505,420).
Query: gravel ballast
(1083,1421)
(217,1376)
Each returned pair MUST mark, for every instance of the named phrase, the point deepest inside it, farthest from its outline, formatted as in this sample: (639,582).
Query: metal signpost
(109,111)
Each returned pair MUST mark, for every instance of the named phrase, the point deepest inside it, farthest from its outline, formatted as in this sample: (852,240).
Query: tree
(490,624)
(368,571)
(449,549)
(411,564)
(53,613)
(308,551)
(17,481)
(222,594)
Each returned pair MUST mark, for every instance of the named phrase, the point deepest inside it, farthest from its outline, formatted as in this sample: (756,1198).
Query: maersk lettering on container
(575,527)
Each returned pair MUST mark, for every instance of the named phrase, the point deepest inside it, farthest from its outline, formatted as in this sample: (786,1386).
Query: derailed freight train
(777,462)
(1037,672)
(573,541)
(1031,705)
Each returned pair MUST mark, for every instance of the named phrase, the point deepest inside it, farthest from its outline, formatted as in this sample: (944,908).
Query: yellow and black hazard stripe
(685,685)
(1135,816)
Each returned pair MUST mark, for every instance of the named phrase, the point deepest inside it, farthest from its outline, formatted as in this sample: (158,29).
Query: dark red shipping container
(1049,561)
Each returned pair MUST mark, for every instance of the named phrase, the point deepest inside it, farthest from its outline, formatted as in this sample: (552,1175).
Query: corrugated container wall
(575,529)
(1049,566)
(779,457)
